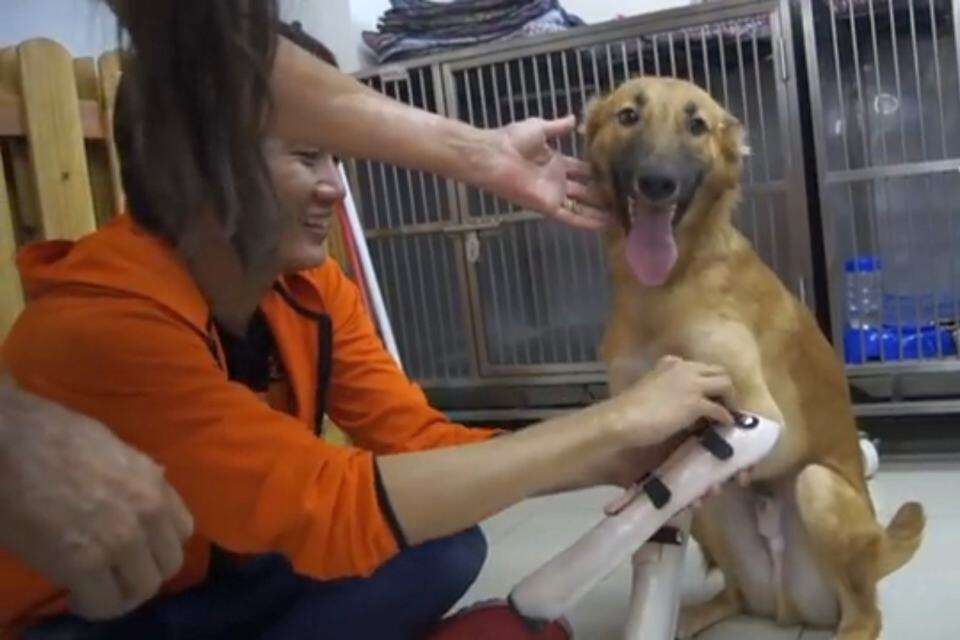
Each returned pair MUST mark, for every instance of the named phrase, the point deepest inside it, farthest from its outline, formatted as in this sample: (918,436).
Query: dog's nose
(657,187)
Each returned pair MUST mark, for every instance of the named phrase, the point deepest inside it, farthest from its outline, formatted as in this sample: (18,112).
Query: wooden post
(98,159)
(55,133)
(21,192)
(109,65)
(11,293)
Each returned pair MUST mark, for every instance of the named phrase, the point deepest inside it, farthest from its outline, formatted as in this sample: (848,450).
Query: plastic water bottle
(864,293)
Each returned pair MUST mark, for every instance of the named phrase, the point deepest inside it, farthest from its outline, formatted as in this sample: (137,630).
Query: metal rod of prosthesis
(655,593)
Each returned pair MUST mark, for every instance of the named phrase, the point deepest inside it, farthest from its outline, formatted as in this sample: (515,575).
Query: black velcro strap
(657,491)
(715,444)
(668,535)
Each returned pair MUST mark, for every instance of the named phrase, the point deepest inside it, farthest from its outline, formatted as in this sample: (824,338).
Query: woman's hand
(648,420)
(319,105)
(524,168)
(671,398)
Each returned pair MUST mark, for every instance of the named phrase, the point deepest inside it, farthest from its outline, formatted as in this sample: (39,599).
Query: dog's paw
(696,618)
(687,627)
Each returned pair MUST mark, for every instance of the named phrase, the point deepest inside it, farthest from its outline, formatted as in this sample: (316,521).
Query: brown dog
(802,545)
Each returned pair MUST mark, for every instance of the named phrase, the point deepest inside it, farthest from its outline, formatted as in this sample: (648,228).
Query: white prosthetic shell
(688,473)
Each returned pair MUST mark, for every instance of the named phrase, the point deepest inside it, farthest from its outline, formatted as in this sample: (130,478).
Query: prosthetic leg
(657,569)
(711,457)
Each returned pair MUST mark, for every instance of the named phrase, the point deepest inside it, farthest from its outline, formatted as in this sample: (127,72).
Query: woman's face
(308,185)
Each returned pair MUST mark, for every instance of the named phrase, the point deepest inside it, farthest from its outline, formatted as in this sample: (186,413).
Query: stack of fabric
(412,28)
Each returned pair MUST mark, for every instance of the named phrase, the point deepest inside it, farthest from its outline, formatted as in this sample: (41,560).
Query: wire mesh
(536,292)
(888,77)
(552,313)
(404,213)
(888,82)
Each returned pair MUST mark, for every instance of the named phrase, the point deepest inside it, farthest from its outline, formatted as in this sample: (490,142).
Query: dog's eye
(698,126)
(628,116)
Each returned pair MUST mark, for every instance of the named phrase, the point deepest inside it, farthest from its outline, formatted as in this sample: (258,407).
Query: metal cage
(484,294)
(884,95)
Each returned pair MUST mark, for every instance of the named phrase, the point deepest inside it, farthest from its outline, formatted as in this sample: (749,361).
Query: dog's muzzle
(656,183)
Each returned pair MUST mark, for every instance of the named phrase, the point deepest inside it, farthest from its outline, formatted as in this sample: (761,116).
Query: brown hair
(197,85)
(294,32)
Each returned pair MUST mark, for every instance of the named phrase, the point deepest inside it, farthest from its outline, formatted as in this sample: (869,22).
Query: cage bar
(918,79)
(744,102)
(874,37)
(935,41)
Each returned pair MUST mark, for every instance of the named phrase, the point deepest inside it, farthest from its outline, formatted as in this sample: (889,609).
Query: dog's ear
(733,141)
(591,120)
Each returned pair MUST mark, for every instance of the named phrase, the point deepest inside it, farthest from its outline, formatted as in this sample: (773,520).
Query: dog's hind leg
(848,542)
(726,529)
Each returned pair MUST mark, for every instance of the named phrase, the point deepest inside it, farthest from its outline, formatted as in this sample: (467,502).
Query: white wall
(330,22)
(85,27)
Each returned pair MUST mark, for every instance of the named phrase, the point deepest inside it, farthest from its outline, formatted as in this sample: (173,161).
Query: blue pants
(265,600)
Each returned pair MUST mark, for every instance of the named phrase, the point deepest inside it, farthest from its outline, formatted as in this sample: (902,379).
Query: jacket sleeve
(256,480)
(370,397)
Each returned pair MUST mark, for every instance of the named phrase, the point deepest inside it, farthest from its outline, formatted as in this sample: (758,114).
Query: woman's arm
(317,103)
(438,492)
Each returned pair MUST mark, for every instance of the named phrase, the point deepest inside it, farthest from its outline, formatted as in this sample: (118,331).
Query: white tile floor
(920,602)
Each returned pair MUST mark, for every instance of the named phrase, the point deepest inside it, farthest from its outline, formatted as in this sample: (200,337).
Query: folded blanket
(413,28)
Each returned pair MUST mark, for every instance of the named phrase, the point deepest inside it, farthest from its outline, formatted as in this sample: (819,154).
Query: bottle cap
(862,264)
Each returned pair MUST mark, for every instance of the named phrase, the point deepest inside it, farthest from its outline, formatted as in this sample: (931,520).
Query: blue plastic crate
(864,345)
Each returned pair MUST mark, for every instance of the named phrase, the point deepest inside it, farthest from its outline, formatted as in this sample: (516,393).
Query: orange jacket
(116,328)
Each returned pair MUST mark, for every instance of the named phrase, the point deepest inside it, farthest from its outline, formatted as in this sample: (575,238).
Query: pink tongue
(651,249)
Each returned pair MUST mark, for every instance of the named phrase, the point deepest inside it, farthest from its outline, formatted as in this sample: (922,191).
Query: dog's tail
(903,537)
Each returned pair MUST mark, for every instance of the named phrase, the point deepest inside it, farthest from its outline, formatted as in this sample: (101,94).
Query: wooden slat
(12,121)
(109,66)
(85,73)
(98,160)
(101,182)
(11,293)
(21,191)
(9,72)
(26,209)
(55,133)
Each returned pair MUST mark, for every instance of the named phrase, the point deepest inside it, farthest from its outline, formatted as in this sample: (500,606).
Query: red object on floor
(495,620)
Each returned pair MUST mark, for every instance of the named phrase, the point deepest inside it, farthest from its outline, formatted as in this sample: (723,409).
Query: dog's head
(659,148)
